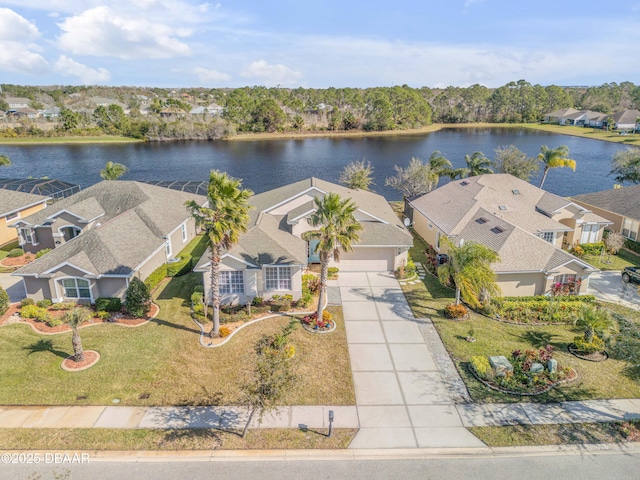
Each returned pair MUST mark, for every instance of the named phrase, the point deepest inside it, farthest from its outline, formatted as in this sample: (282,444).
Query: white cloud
(102,31)
(272,75)
(14,27)
(17,53)
(209,76)
(87,75)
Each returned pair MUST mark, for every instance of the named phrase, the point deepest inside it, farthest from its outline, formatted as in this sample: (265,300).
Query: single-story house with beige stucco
(272,255)
(102,237)
(527,226)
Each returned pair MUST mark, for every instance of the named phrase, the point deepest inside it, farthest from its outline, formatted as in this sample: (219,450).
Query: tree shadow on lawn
(542,339)
(177,326)
(44,345)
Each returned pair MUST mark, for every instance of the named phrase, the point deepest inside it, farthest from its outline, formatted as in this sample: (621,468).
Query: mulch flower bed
(90,358)
(591,357)
(12,316)
(20,261)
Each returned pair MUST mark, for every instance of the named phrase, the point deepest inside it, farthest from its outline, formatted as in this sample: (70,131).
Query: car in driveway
(631,274)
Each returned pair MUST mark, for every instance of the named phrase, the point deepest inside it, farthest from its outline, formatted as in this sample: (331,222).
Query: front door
(314,256)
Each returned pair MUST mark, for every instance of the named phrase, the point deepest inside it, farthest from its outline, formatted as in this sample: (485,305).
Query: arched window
(75,288)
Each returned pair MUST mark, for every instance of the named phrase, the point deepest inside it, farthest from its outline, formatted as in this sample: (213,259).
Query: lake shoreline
(593,134)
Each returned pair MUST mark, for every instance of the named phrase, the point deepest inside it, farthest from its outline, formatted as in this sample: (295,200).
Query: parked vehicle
(631,274)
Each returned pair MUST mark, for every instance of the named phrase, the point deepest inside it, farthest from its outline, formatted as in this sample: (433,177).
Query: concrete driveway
(13,286)
(608,286)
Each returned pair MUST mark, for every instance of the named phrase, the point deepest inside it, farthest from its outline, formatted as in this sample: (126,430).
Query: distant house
(17,102)
(271,256)
(559,116)
(102,237)
(213,109)
(25,112)
(15,206)
(598,121)
(526,225)
(626,120)
(621,206)
(51,112)
(170,112)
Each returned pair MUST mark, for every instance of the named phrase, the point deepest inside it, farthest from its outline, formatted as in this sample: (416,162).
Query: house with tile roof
(13,207)
(525,225)
(271,256)
(626,120)
(621,206)
(103,236)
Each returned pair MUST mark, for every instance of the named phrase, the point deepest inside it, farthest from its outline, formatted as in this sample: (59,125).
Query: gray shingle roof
(623,201)
(12,201)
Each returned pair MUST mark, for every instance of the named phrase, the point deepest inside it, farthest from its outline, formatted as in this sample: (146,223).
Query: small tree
(416,179)
(113,171)
(614,242)
(625,165)
(137,298)
(595,321)
(74,319)
(4,301)
(272,374)
(4,161)
(358,175)
(515,162)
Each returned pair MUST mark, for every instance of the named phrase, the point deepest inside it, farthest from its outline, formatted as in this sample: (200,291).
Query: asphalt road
(610,465)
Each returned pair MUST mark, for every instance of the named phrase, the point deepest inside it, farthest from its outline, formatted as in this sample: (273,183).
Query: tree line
(261,109)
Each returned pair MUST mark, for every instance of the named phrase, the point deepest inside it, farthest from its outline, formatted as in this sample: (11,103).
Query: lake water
(266,164)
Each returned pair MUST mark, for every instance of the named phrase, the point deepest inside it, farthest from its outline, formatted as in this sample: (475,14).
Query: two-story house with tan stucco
(15,206)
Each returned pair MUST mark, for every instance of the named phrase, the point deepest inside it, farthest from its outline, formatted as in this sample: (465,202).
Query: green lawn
(594,133)
(609,379)
(613,262)
(163,358)
(4,251)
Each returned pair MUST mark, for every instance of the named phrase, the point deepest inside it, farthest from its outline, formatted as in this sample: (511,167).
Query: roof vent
(497,229)
(515,192)
(502,207)
(464,183)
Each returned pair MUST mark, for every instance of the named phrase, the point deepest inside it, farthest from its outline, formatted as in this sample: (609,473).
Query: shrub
(108,304)
(54,322)
(181,267)
(577,250)
(103,314)
(481,366)
(333,272)
(39,314)
(4,301)
(281,303)
(63,306)
(45,303)
(631,245)
(592,248)
(310,283)
(257,301)
(224,331)
(16,252)
(40,253)
(26,301)
(289,351)
(326,316)
(198,289)
(595,345)
(196,298)
(455,311)
(138,298)
(305,300)
(198,309)
(156,277)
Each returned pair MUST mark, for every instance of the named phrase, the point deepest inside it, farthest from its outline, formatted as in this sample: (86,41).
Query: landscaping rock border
(311,330)
(89,365)
(522,394)
(573,351)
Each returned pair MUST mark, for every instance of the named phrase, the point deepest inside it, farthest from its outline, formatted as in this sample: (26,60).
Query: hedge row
(631,245)
(175,269)
(108,304)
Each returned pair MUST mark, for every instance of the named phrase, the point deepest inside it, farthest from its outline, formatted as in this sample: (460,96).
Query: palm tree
(74,319)
(223,220)
(113,171)
(469,268)
(477,164)
(4,161)
(555,158)
(595,320)
(439,165)
(337,229)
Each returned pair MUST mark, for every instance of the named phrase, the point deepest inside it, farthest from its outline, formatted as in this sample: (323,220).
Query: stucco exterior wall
(8,232)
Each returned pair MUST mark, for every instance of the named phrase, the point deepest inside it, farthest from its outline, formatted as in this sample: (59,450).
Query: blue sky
(322,43)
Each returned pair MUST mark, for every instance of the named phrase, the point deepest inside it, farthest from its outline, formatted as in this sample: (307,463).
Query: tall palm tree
(439,165)
(337,228)
(113,171)
(74,319)
(595,320)
(4,161)
(477,164)
(223,220)
(555,158)
(469,268)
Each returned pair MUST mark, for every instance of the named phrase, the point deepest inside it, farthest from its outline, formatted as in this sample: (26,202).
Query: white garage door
(373,259)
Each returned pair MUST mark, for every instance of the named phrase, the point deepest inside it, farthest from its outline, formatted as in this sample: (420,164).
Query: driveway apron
(401,396)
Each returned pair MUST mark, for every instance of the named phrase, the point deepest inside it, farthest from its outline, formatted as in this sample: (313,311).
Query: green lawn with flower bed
(610,379)
(165,360)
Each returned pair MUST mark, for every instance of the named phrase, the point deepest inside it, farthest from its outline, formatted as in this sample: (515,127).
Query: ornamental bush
(592,248)
(108,304)
(137,299)
(40,253)
(224,331)
(4,301)
(481,366)
(181,267)
(44,303)
(595,345)
(27,301)
(39,314)
(16,252)
(455,311)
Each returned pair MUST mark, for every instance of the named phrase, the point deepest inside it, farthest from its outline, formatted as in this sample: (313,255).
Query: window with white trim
(565,279)
(278,278)
(184,232)
(12,216)
(589,233)
(628,229)
(231,281)
(76,288)
(167,248)
(28,235)
(548,236)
